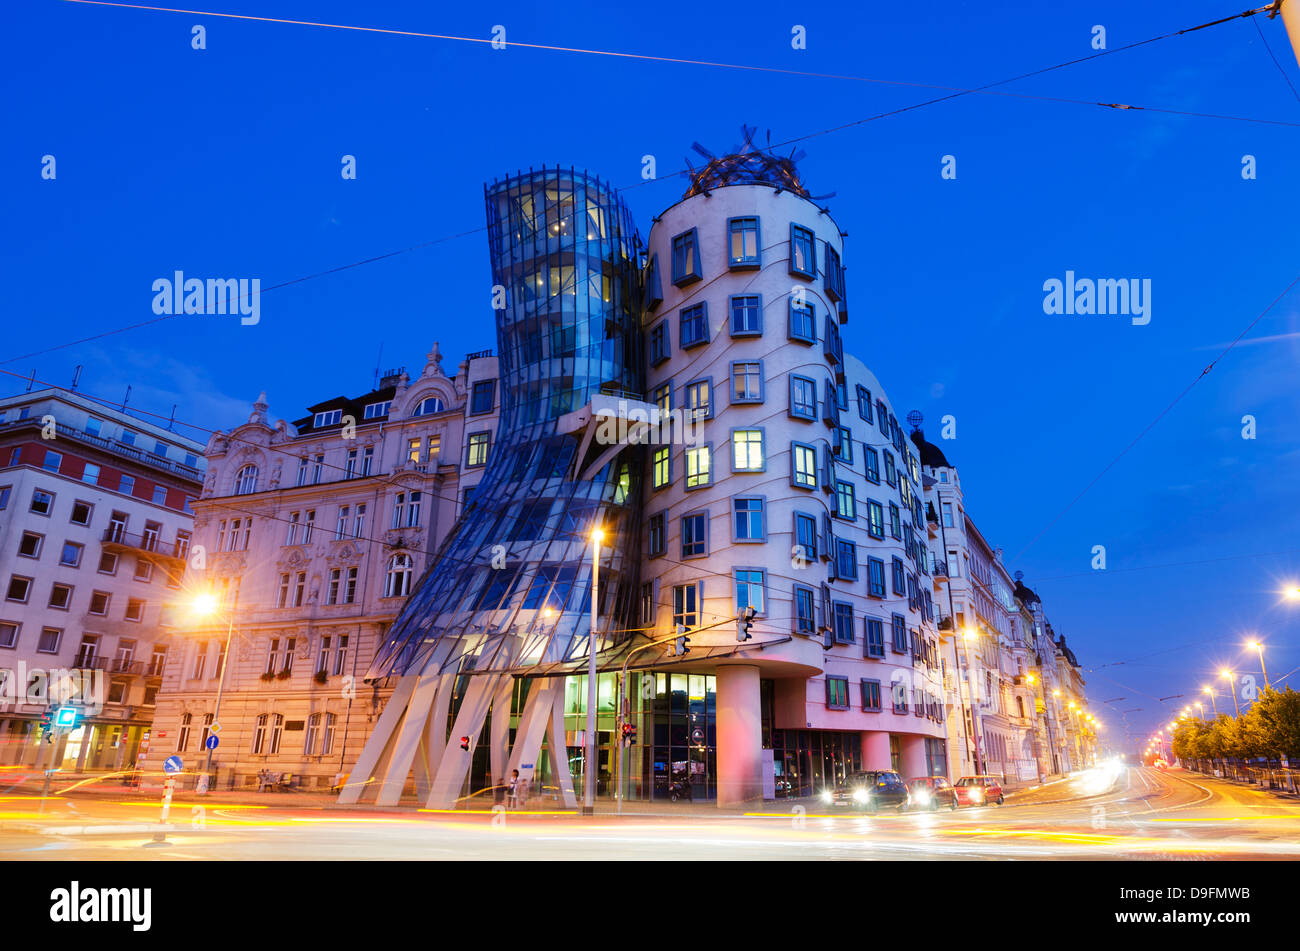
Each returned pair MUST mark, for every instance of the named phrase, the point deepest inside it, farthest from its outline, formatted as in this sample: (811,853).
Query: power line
(1275,62)
(956,92)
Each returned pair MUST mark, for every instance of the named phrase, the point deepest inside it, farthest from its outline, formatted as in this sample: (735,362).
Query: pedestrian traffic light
(628,734)
(744,622)
(464,743)
(66,718)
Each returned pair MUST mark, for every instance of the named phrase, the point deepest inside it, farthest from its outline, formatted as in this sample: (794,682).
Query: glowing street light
(1228,675)
(207,605)
(1214,704)
(1257,646)
(1292,592)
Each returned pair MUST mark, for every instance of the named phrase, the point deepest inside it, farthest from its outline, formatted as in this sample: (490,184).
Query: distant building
(312,536)
(95,526)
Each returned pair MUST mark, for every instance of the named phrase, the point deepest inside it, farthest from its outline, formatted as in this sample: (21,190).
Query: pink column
(914,757)
(740,736)
(875,749)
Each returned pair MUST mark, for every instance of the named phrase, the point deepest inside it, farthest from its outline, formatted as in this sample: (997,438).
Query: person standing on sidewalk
(513,788)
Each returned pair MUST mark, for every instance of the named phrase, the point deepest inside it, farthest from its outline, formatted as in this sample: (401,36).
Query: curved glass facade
(510,587)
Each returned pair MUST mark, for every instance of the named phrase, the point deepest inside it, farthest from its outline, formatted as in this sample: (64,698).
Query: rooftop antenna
(76,375)
(126,399)
(378,360)
(31,381)
(171,423)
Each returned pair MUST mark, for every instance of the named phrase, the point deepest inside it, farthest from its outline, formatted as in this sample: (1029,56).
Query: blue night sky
(225,163)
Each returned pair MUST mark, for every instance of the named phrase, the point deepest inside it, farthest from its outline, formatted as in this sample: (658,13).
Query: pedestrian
(513,788)
(521,792)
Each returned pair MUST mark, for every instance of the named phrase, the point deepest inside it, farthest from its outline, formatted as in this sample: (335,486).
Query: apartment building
(96,522)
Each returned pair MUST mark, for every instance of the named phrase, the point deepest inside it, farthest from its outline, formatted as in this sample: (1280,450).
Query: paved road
(1116,813)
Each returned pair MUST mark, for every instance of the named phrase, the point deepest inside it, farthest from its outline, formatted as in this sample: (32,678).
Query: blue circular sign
(211,743)
(172,764)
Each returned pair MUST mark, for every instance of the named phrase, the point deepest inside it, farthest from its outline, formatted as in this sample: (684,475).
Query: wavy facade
(509,589)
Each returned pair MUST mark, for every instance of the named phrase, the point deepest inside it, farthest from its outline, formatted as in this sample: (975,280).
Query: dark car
(870,791)
(931,792)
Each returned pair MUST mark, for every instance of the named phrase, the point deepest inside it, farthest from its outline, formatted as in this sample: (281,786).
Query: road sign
(211,743)
(172,764)
(215,728)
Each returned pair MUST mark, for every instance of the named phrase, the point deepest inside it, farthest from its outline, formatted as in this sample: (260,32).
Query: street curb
(137,828)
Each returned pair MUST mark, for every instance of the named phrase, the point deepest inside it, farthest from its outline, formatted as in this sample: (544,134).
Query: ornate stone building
(311,534)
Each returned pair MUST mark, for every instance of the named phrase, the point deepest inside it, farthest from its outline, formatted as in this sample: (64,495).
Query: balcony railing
(115,535)
(121,449)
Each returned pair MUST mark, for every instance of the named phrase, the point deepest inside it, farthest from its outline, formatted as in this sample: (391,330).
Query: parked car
(978,791)
(931,792)
(870,791)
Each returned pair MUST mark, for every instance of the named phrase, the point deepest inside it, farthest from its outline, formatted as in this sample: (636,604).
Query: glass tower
(510,587)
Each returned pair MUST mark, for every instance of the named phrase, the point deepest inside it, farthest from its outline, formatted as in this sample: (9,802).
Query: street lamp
(1292,593)
(1227,675)
(1213,703)
(1260,649)
(967,636)
(589,780)
(208,604)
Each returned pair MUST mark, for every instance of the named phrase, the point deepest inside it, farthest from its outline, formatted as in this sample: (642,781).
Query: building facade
(311,536)
(95,526)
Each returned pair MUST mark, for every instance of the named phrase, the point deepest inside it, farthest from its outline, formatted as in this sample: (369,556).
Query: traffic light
(464,743)
(629,734)
(744,622)
(66,718)
(682,645)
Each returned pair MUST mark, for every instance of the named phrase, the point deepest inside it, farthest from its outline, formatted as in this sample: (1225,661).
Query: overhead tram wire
(1271,56)
(956,93)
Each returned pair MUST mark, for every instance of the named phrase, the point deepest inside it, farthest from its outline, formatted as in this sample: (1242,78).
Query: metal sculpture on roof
(748,164)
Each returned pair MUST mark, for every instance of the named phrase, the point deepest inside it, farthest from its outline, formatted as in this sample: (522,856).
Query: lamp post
(1264,670)
(206,605)
(1213,704)
(589,779)
(975,715)
(1228,676)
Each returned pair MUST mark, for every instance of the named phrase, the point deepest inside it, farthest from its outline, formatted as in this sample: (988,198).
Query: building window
(947,514)
(81,512)
(686,258)
(694,325)
(483,397)
(805,535)
(875,519)
(873,464)
(804,621)
(898,624)
(742,242)
(376,410)
(246,481)
(871,695)
(49,640)
(428,406)
(655,539)
(282,592)
(52,460)
(899,695)
(747,520)
(331,417)
(803,253)
(895,522)
(663,467)
(843,623)
(803,471)
(750,590)
(662,396)
(846,505)
(477,450)
(397,583)
(747,382)
(99,601)
(846,559)
(837,693)
(42,502)
(875,646)
(699,399)
(834,283)
(864,403)
(900,576)
(183,734)
(90,475)
(698,468)
(746,315)
(747,450)
(803,320)
(803,398)
(342,586)
(891,473)
(30,544)
(695,529)
(875,577)
(686,605)
(659,343)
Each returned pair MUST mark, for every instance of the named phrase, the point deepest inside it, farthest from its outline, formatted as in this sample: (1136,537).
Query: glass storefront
(808,761)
